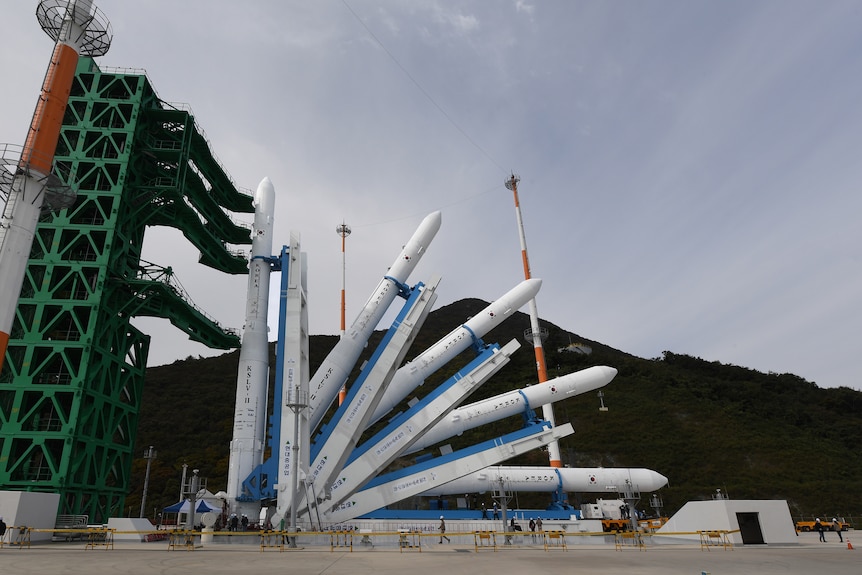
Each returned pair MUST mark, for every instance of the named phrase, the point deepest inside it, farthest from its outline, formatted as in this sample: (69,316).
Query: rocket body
(514,403)
(332,373)
(414,373)
(571,479)
(246,448)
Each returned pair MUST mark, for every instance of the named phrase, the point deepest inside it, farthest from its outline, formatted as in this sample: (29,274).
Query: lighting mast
(78,28)
(343,230)
(535,334)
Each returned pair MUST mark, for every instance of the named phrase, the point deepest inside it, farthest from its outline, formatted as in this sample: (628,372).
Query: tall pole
(535,332)
(77,27)
(343,230)
(149,455)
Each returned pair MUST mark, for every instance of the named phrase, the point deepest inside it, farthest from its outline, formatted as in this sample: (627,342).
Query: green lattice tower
(70,390)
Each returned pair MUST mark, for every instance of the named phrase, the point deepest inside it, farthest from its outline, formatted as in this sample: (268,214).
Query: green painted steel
(71,386)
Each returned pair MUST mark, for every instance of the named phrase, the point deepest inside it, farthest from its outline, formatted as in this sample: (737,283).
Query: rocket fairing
(246,448)
(414,373)
(514,403)
(570,479)
(332,373)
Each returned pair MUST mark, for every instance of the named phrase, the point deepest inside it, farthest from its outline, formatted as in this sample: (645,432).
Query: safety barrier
(19,536)
(100,537)
(409,539)
(554,540)
(270,539)
(406,539)
(341,539)
(181,540)
(715,539)
(485,539)
(629,539)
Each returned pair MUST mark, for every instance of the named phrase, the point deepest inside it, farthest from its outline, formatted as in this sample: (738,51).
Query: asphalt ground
(456,558)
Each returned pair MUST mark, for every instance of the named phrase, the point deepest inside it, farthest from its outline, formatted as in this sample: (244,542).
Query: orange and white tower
(343,230)
(535,334)
(78,28)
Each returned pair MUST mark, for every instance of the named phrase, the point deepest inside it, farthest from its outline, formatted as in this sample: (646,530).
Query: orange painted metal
(48,117)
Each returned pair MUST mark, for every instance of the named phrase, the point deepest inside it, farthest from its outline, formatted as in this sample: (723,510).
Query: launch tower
(70,389)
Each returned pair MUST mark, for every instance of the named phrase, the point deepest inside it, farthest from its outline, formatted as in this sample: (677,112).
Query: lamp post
(149,455)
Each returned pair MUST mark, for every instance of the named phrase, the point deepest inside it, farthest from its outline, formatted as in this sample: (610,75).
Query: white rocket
(413,374)
(576,479)
(246,448)
(514,403)
(409,432)
(332,373)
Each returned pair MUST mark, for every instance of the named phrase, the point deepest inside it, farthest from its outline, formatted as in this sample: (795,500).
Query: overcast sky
(689,169)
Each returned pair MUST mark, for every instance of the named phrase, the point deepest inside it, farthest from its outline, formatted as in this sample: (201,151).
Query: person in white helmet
(443,530)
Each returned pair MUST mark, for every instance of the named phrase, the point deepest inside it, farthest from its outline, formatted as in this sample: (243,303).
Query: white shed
(753,522)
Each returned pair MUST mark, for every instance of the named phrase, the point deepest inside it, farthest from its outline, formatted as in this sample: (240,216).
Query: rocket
(408,433)
(246,448)
(435,474)
(514,403)
(571,479)
(396,438)
(332,373)
(414,373)
(77,27)
(346,426)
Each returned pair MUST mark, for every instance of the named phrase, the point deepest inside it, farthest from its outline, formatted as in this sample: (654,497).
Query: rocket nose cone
(265,185)
(522,293)
(432,221)
(533,285)
(264,195)
(609,372)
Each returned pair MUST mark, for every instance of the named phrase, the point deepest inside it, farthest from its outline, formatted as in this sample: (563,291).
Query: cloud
(688,169)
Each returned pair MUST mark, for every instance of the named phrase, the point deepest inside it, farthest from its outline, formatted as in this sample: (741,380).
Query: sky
(689,169)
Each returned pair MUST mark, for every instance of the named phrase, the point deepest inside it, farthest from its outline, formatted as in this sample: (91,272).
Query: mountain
(704,425)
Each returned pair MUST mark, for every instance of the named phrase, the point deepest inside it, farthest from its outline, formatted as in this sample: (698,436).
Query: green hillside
(702,424)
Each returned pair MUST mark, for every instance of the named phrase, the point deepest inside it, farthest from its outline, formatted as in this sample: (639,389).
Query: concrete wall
(35,510)
(776,525)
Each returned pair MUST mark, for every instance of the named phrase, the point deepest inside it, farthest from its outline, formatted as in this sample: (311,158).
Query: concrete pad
(72,559)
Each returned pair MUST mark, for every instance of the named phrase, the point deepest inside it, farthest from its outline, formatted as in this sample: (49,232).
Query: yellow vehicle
(806,526)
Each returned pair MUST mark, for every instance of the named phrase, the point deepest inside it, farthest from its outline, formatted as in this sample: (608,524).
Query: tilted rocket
(331,375)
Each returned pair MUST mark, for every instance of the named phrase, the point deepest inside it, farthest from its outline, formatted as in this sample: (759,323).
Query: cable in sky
(422,90)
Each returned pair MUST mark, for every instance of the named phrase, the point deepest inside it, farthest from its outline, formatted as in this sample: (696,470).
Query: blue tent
(183,507)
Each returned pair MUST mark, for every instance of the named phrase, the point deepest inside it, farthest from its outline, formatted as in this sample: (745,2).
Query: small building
(748,522)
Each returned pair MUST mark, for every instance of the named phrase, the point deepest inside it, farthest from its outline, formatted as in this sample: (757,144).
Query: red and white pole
(343,230)
(535,329)
(78,28)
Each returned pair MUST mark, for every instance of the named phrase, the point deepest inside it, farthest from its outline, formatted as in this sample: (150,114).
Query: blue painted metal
(257,486)
(326,430)
(461,453)
(419,406)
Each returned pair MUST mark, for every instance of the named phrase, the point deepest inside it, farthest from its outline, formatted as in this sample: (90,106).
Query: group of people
(235,522)
(513,526)
(496,511)
(821,529)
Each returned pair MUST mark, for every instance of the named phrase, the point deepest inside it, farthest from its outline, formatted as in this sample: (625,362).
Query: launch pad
(319,474)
